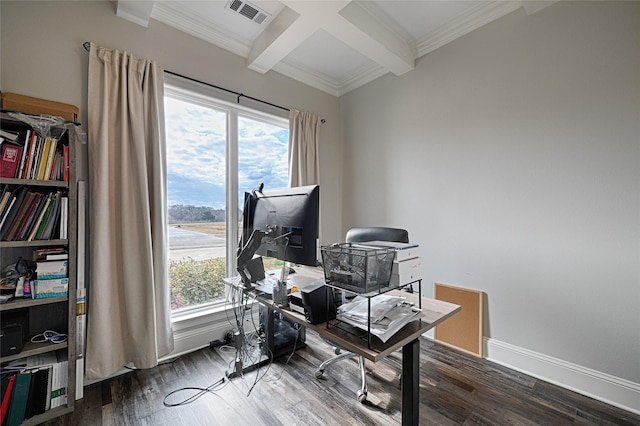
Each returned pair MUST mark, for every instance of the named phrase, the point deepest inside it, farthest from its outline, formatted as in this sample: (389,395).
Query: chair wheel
(362,396)
(319,373)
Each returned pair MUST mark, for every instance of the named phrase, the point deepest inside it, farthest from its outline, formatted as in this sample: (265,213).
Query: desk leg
(239,368)
(411,383)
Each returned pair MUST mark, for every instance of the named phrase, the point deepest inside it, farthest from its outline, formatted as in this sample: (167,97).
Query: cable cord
(49,336)
(293,351)
(201,391)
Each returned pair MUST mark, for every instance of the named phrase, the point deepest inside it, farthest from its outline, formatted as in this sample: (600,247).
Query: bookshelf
(52,313)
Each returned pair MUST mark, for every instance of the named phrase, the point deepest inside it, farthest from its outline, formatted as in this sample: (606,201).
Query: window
(215,152)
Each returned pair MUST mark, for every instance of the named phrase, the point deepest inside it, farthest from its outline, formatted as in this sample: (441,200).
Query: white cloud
(196,143)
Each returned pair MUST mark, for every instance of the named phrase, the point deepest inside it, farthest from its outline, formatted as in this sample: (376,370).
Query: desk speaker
(318,303)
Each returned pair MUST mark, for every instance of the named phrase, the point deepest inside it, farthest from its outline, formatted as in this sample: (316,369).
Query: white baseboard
(603,387)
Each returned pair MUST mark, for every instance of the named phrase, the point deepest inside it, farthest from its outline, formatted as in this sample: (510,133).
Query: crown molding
(465,23)
(327,84)
(362,77)
(308,77)
(169,13)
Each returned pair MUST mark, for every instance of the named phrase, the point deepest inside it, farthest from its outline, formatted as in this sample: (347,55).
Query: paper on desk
(388,317)
(358,308)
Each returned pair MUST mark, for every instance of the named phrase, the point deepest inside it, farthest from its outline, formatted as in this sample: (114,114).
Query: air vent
(248,10)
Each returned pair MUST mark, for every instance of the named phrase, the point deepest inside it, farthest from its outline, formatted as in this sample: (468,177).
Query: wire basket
(357,267)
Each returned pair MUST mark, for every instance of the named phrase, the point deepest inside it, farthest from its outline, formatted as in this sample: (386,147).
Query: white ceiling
(334,46)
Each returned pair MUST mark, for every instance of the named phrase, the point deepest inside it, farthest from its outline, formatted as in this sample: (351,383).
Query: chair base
(362,392)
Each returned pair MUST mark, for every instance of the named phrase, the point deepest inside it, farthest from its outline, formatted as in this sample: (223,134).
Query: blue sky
(196,168)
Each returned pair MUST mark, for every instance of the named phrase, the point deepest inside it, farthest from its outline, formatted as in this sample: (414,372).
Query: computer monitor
(290,218)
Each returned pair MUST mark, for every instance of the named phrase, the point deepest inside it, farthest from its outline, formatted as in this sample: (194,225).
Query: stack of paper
(388,314)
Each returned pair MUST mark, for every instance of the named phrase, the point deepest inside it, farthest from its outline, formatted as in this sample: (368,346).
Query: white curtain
(304,167)
(129,305)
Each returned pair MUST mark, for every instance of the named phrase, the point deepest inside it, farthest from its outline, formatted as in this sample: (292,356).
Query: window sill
(195,328)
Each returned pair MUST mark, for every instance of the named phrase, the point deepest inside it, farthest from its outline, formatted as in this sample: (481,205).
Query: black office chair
(356,235)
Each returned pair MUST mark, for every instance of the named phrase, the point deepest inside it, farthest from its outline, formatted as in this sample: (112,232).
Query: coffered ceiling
(334,46)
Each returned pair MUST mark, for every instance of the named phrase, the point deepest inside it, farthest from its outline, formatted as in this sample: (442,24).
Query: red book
(6,397)
(10,160)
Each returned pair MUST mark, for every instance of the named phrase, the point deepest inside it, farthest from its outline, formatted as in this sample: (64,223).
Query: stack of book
(27,214)
(32,386)
(30,155)
(51,272)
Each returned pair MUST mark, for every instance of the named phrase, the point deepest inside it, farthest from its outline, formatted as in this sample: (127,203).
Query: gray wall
(42,56)
(512,155)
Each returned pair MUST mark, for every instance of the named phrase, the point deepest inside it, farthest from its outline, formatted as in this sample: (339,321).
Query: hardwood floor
(455,389)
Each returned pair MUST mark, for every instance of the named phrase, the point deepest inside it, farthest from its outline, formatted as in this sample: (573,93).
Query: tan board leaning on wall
(462,331)
(31,105)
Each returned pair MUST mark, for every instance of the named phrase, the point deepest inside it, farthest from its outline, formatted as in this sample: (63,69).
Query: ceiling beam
(345,20)
(283,34)
(136,11)
(364,33)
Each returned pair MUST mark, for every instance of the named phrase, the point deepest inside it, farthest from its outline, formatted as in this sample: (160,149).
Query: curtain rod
(87,46)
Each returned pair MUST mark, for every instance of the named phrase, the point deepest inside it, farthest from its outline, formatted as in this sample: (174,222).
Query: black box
(318,303)
(14,332)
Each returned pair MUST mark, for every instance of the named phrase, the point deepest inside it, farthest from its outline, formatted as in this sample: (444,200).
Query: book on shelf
(25,151)
(47,383)
(37,398)
(32,142)
(30,155)
(57,256)
(54,218)
(45,218)
(30,217)
(10,159)
(19,194)
(50,253)
(55,171)
(41,215)
(59,384)
(8,381)
(42,159)
(6,210)
(18,403)
(34,215)
(6,134)
(64,217)
(51,155)
(21,216)
(36,148)
(4,199)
